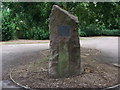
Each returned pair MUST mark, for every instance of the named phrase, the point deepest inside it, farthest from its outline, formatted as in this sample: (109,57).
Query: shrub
(81,33)
(97,30)
(36,33)
(39,33)
(8,31)
(108,32)
(91,30)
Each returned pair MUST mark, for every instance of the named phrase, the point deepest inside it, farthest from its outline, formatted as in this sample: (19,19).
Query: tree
(28,20)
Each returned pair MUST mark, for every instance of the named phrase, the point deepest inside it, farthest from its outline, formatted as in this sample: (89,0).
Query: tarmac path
(14,55)
(109,47)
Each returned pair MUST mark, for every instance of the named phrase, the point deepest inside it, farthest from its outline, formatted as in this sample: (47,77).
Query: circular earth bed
(95,74)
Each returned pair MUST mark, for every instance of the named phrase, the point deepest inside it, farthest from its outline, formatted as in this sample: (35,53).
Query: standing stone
(64,58)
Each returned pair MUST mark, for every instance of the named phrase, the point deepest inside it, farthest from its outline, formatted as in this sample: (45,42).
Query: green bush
(32,19)
(23,34)
(40,34)
(81,33)
(8,29)
(108,32)
(97,30)
(36,33)
(8,25)
(8,32)
(91,30)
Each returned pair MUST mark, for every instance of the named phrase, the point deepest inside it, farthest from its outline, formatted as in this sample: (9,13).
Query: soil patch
(95,74)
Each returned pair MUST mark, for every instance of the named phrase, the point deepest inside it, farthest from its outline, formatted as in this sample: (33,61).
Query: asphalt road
(18,54)
(14,55)
(109,47)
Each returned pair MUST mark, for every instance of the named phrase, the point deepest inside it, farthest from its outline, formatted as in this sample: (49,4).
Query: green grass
(82,38)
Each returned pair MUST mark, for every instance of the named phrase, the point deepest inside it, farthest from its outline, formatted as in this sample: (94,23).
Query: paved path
(14,55)
(107,45)
(11,54)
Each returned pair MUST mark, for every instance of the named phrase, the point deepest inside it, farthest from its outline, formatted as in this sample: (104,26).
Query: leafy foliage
(28,20)
(8,25)
(111,32)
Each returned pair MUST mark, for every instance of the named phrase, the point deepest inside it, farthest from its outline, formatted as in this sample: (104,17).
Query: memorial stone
(64,58)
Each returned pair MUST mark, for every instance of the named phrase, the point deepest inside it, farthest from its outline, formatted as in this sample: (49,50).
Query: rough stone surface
(64,60)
